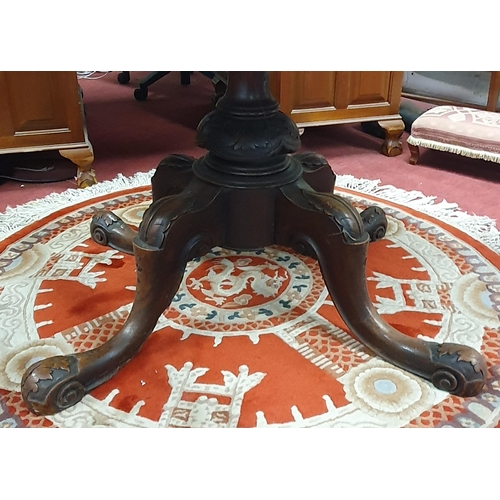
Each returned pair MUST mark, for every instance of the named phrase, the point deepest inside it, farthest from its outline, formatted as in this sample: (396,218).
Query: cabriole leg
(415,153)
(325,226)
(173,231)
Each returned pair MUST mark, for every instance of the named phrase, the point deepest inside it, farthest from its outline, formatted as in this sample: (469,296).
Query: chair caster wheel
(123,77)
(141,94)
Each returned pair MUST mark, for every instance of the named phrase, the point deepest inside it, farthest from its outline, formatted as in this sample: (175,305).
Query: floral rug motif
(251,339)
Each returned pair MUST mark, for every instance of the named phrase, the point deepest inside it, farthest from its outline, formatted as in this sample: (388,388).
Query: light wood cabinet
(42,110)
(313,98)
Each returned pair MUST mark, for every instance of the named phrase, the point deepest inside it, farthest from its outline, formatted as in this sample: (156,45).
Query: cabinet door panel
(365,87)
(327,97)
(39,108)
(306,91)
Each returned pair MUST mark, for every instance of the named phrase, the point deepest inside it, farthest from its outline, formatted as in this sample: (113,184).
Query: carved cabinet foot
(393,131)
(333,231)
(83,159)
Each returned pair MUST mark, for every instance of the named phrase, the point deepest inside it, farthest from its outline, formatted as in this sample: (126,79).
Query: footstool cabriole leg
(174,230)
(341,249)
(415,153)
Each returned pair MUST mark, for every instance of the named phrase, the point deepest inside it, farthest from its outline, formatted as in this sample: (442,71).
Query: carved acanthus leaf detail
(339,210)
(464,354)
(44,372)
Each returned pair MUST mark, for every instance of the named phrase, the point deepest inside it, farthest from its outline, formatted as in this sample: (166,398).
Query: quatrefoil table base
(249,191)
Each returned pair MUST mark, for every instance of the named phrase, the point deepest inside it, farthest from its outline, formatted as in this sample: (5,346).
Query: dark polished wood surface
(250,190)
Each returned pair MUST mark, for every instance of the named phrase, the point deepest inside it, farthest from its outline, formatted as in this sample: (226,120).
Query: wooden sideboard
(314,98)
(42,110)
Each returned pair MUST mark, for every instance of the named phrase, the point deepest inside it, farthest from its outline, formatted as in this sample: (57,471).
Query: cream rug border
(481,228)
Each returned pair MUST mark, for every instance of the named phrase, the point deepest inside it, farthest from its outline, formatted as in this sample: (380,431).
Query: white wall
(469,87)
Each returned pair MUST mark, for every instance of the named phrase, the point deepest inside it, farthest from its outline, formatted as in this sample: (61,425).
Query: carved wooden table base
(248,192)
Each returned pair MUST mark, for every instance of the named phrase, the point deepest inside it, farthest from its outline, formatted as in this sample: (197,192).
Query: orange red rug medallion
(251,339)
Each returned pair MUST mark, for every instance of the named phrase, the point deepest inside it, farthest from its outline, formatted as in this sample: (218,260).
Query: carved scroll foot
(415,153)
(52,385)
(317,172)
(108,229)
(335,233)
(393,131)
(375,222)
(173,231)
(458,369)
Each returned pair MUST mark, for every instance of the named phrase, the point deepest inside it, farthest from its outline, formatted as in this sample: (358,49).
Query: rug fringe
(481,228)
(14,219)
(452,148)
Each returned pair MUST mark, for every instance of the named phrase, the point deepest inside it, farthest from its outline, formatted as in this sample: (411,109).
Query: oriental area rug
(251,339)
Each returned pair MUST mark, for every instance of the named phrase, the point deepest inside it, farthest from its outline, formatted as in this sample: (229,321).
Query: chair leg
(123,77)
(152,78)
(185,77)
(141,93)
(415,153)
(208,74)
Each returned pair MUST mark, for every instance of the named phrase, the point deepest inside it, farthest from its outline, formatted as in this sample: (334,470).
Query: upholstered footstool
(464,131)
